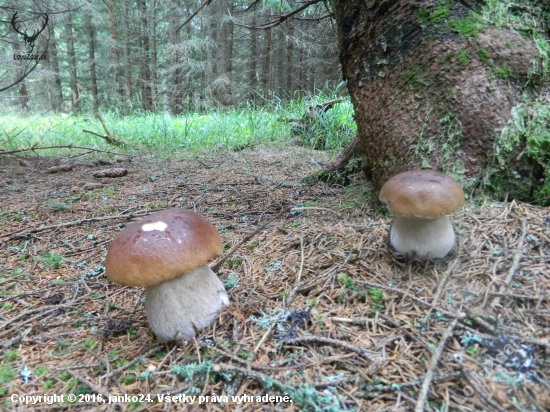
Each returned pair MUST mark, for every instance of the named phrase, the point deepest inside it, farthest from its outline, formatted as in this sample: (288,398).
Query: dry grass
(321,309)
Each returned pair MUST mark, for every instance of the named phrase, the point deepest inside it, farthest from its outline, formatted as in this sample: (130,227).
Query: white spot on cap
(147,227)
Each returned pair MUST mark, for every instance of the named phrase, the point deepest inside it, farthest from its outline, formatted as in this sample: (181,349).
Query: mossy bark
(432,85)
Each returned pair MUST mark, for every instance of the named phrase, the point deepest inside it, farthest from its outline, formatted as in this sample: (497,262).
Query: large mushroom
(166,253)
(421,201)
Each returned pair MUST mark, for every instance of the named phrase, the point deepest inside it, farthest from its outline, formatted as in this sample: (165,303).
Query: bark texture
(426,95)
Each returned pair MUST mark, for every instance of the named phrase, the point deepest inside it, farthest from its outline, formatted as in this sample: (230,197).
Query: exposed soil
(321,309)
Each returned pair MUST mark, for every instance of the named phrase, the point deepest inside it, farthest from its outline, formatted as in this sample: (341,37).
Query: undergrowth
(233,129)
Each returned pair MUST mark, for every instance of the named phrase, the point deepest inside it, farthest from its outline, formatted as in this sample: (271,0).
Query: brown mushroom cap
(160,247)
(422,193)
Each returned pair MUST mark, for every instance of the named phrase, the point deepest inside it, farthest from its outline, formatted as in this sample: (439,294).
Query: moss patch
(465,27)
(524,140)
(436,14)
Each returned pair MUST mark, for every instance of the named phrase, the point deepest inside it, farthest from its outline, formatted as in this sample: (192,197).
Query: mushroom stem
(176,308)
(422,238)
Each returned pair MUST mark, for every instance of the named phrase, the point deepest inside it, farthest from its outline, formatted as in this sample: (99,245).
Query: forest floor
(323,314)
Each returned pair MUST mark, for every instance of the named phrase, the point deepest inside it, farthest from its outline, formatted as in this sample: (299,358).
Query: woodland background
(141,56)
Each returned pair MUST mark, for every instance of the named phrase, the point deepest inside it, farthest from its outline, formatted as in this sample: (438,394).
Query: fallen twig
(423,395)
(97,389)
(137,359)
(245,239)
(515,263)
(69,146)
(329,341)
(324,209)
(24,232)
(413,298)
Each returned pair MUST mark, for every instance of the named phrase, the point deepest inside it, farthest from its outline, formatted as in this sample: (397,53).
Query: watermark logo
(29,38)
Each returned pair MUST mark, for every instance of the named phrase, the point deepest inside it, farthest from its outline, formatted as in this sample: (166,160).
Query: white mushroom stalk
(422,238)
(178,307)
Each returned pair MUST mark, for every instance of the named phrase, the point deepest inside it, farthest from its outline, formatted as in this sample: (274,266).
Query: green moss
(376,295)
(501,72)
(527,133)
(465,27)
(51,260)
(462,57)
(484,55)
(6,373)
(234,262)
(434,15)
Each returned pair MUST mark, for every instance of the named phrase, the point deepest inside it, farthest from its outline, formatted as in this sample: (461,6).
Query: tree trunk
(175,97)
(114,50)
(127,65)
(253,79)
(73,80)
(154,67)
(19,73)
(423,82)
(289,59)
(53,80)
(266,63)
(279,59)
(91,59)
(145,59)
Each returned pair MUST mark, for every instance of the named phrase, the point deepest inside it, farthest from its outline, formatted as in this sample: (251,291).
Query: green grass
(162,133)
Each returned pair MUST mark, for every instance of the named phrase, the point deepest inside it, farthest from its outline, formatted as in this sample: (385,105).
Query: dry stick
(26,313)
(19,233)
(249,236)
(482,394)
(16,339)
(400,387)
(423,395)
(134,361)
(97,389)
(297,281)
(515,263)
(443,282)
(324,209)
(521,297)
(412,297)
(69,146)
(262,377)
(329,341)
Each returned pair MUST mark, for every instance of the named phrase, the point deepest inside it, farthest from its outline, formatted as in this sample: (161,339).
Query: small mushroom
(166,252)
(421,201)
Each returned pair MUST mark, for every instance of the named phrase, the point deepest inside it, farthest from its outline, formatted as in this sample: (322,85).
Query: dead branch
(329,341)
(323,209)
(70,146)
(137,359)
(95,388)
(459,316)
(204,4)
(515,263)
(109,138)
(424,390)
(245,239)
(22,232)
(281,19)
